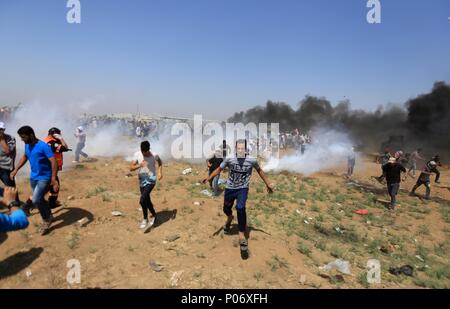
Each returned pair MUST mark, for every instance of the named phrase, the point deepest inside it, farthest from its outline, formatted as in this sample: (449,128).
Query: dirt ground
(306,223)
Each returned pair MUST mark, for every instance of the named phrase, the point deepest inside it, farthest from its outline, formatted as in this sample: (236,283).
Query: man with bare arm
(240,170)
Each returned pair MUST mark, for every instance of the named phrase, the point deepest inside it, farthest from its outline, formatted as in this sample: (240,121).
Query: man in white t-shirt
(145,162)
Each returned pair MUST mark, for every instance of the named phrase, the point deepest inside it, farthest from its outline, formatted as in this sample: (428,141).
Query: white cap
(80,128)
(2,125)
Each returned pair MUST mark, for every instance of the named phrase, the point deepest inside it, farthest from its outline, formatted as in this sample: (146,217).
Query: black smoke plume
(423,121)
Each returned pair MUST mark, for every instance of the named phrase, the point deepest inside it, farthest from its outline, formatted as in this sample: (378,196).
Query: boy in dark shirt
(392,171)
(213,163)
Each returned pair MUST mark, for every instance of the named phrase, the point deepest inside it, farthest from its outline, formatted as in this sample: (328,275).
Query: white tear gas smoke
(327,150)
(104,141)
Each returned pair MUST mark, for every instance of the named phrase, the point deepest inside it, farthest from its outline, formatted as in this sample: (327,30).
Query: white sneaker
(143,224)
(149,225)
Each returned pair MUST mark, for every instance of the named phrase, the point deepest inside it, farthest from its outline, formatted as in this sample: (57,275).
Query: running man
(240,170)
(424,179)
(144,161)
(43,167)
(81,143)
(436,159)
(415,155)
(351,160)
(384,159)
(392,171)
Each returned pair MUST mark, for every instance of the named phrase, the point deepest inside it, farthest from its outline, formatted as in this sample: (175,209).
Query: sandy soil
(306,223)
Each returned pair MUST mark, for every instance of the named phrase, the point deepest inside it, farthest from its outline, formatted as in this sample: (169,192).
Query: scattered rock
(302,201)
(187,171)
(386,249)
(338,278)
(298,211)
(116,213)
(28,273)
(71,197)
(306,221)
(206,192)
(157,267)
(173,238)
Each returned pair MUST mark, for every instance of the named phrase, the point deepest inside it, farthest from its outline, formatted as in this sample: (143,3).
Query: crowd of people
(295,140)
(45,158)
(132,127)
(398,163)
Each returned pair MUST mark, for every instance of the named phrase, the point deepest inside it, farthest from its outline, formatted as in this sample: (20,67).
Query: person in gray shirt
(240,170)
(7,156)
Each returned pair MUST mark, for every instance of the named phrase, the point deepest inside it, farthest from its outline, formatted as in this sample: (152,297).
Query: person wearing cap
(424,179)
(7,156)
(58,145)
(81,142)
(392,171)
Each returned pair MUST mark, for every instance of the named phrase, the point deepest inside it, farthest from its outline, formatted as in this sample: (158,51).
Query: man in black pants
(424,179)
(144,161)
(392,171)
(436,159)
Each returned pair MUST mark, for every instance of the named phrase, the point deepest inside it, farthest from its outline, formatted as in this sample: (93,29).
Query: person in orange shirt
(58,145)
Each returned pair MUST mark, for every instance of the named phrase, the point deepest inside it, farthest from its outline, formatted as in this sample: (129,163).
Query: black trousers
(146,201)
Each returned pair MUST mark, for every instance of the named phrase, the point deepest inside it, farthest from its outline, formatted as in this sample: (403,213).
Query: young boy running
(144,161)
(240,170)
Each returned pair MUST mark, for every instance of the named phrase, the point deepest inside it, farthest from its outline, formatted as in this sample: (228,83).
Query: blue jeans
(79,151)
(39,189)
(393,190)
(228,200)
(215,184)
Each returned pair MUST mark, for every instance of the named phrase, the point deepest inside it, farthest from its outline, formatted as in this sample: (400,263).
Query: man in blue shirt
(43,167)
